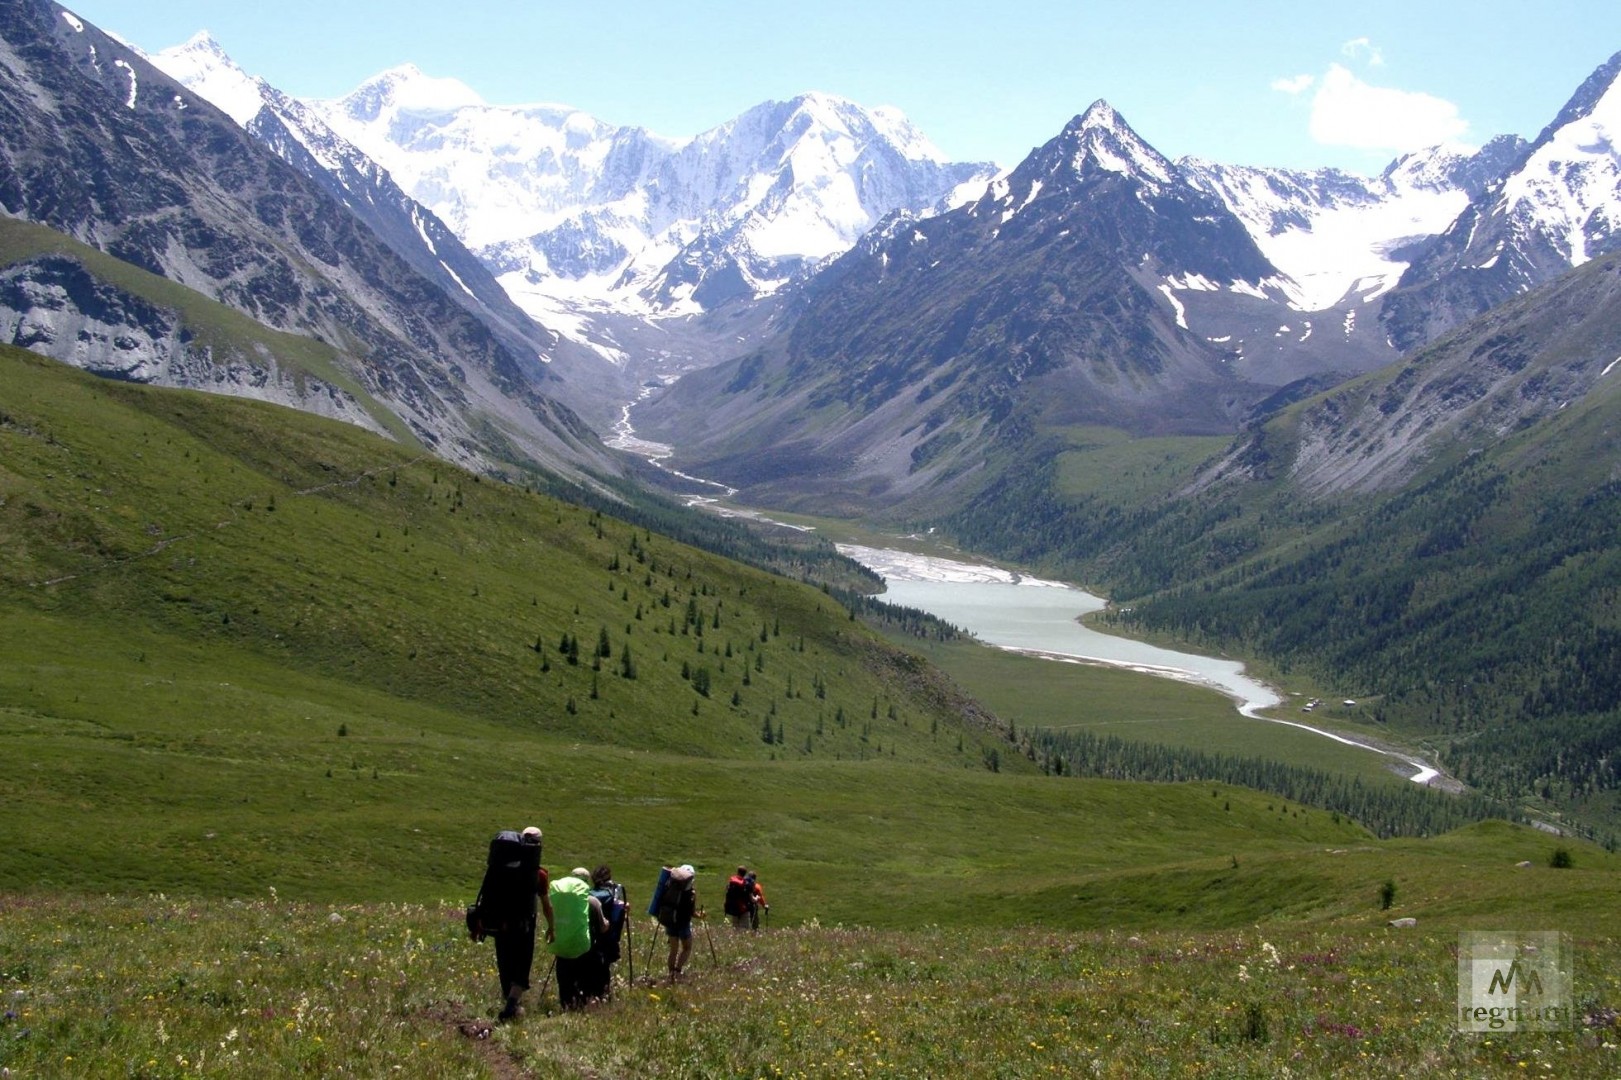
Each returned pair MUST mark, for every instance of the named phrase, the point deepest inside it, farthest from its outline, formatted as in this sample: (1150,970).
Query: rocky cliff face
(56,307)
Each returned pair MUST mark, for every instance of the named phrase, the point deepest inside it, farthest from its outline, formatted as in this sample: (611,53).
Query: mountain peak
(1599,93)
(202,42)
(1098,114)
(1100,140)
(203,65)
(406,88)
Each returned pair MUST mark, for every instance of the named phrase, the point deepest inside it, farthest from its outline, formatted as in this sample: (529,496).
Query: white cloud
(1297,84)
(1349,112)
(1363,49)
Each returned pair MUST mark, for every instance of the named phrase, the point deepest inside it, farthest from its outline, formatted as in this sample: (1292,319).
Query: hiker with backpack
(677,905)
(579,922)
(744,900)
(615,915)
(505,910)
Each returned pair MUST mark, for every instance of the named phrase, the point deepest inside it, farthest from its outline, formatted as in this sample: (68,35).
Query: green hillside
(1470,608)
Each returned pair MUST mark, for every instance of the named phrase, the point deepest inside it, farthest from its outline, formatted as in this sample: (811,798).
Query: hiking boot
(509,1012)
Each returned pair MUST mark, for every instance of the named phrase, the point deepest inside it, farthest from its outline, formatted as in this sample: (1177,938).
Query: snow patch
(1327,230)
(1194,282)
(1571,186)
(73,21)
(134,83)
(457,278)
(1609,366)
(1181,312)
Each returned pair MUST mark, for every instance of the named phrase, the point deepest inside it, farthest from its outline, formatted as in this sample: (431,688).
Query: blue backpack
(614,909)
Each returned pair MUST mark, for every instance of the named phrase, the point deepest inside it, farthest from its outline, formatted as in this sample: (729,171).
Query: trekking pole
(652,940)
(630,949)
(541,996)
(711,939)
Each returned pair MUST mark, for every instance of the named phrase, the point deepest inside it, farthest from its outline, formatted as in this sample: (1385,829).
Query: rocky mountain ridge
(104,148)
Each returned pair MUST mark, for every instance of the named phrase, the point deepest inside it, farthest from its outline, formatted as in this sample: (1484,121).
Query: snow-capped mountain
(931,342)
(1556,208)
(564,206)
(303,140)
(1337,236)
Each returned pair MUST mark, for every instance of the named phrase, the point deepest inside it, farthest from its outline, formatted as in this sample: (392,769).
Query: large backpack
(676,894)
(739,897)
(506,899)
(571,912)
(614,910)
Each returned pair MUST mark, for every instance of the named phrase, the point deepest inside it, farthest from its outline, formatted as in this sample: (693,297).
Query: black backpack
(506,898)
(614,909)
(676,897)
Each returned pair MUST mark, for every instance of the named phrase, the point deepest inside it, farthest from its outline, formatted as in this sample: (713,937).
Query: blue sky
(1259,83)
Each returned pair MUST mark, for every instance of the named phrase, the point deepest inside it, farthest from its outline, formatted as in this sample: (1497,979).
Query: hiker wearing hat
(677,906)
(509,906)
(578,922)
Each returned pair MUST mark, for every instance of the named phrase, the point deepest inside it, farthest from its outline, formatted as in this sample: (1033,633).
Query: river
(1042,618)
(1015,611)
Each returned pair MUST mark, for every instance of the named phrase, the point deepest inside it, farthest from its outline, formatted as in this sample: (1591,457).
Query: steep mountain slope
(566,207)
(1436,540)
(1047,302)
(1559,207)
(1552,353)
(97,144)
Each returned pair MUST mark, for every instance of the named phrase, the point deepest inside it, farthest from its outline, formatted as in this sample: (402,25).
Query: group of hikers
(586,913)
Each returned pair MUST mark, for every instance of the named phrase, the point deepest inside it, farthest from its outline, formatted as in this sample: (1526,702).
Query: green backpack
(571,915)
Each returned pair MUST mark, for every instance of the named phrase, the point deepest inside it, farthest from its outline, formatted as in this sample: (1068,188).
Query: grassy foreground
(157,987)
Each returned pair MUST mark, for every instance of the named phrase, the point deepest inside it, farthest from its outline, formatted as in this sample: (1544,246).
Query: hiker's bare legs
(680,953)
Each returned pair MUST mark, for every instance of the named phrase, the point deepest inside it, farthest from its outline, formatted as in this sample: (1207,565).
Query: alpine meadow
(386,472)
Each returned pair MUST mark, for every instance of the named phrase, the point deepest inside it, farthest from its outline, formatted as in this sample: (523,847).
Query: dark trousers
(514,957)
(580,979)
